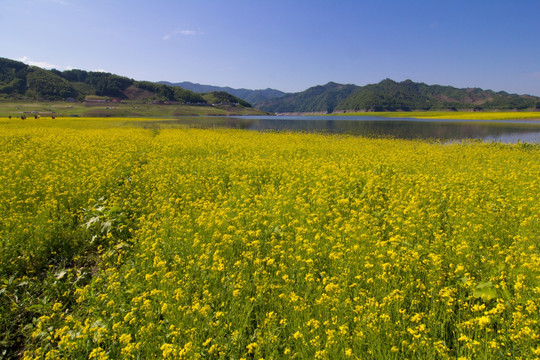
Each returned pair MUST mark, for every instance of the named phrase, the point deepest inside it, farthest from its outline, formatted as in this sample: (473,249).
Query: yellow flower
(251,347)
(98,354)
(167,350)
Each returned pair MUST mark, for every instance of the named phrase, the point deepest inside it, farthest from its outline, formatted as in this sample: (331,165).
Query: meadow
(109,109)
(119,242)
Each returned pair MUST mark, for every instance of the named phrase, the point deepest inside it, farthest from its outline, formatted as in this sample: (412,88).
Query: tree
(46,84)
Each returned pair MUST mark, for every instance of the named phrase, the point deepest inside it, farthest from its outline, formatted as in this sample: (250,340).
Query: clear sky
(288,45)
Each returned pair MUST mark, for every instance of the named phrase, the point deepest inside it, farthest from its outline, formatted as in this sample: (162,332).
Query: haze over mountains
(18,80)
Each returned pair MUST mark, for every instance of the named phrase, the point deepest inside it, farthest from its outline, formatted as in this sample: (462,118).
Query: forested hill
(18,80)
(389,95)
(321,98)
(254,97)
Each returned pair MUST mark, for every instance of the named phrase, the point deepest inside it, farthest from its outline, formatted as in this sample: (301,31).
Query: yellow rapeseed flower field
(120,242)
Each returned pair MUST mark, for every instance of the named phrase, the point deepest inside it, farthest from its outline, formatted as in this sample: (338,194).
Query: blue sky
(288,45)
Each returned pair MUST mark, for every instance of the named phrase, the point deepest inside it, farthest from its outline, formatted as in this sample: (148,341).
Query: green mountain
(223,98)
(18,80)
(321,98)
(254,97)
(389,95)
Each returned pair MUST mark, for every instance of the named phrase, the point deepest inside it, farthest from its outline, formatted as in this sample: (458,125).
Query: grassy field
(76,109)
(134,109)
(465,115)
(123,243)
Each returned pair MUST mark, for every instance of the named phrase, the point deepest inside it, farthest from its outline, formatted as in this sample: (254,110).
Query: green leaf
(485,290)
(115,209)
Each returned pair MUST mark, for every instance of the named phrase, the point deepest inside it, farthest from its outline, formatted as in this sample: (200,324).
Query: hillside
(223,98)
(389,95)
(254,97)
(322,98)
(21,81)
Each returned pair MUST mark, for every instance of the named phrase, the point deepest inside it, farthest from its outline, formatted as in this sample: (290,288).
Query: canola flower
(186,244)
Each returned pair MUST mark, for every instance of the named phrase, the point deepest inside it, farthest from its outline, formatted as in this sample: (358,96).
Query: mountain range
(254,97)
(387,95)
(21,81)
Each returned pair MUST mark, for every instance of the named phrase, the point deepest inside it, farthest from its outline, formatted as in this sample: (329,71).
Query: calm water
(371,126)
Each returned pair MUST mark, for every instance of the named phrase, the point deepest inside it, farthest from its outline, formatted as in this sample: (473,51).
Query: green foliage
(12,77)
(187,96)
(11,69)
(162,92)
(15,86)
(322,98)
(47,85)
(83,89)
(103,84)
(75,75)
(108,84)
(224,98)
(169,93)
(511,102)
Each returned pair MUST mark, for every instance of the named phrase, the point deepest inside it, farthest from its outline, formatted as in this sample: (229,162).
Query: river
(505,131)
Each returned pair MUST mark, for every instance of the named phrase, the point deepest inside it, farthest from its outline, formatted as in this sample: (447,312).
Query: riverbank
(111,109)
(465,115)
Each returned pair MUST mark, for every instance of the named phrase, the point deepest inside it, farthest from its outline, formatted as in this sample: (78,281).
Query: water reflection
(402,128)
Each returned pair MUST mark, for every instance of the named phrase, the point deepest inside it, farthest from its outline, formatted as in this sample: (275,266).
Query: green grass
(135,109)
(132,109)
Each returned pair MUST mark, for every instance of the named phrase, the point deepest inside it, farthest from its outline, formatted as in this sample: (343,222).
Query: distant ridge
(389,95)
(254,97)
(317,99)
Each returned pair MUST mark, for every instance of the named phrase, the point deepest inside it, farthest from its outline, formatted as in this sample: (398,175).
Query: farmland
(123,242)
(110,109)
